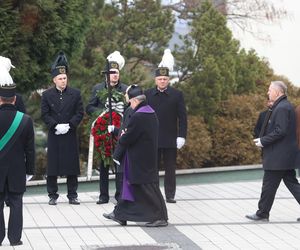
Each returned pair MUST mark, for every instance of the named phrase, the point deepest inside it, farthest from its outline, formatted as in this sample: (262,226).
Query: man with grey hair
(279,145)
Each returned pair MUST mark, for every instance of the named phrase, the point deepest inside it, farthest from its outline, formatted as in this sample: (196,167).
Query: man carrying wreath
(98,104)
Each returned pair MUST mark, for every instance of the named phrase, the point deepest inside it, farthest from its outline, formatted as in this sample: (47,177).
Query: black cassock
(141,141)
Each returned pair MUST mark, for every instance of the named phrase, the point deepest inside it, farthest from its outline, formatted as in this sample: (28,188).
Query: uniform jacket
(18,159)
(140,141)
(62,107)
(171,112)
(279,140)
(95,103)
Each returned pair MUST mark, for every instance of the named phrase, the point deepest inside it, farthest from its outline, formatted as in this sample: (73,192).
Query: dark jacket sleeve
(132,132)
(182,117)
(119,152)
(77,117)
(30,148)
(281,117)
(45,112)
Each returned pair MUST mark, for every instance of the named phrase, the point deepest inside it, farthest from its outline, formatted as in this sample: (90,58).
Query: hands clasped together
(62,128)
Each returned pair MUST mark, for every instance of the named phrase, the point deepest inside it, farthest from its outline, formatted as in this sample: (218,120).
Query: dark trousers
(72,185)
(104,183)
(271,182)
(15,221)
(167,156)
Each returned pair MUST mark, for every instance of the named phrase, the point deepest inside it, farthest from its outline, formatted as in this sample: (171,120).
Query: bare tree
(245,13)
(241,13)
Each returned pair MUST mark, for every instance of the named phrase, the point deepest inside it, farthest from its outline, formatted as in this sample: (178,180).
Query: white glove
(258,142)
(110,128)
(28,177)
(180,141)
(116,161)
(62,128)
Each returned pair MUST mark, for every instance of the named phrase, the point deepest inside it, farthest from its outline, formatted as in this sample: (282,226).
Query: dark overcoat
(17,158)
(279,140)
(171,112)
(140,140)
(62,107)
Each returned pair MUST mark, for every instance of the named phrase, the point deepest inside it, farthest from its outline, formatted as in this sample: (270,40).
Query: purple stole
(127,193)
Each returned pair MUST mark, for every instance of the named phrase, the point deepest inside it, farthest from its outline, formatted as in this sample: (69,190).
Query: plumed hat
(60,65)
(134,91)
(116,60)
(166,64)
(7,85)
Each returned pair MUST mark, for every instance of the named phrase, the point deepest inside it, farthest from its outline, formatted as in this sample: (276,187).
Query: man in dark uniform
(62,111)
(17,157)
(141,199)
(98,105)
(20,107)
(279,144)
(169,106)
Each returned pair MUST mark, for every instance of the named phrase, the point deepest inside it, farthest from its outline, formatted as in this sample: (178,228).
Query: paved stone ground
(207,216)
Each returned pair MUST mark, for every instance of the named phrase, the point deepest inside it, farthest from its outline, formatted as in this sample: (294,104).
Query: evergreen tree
(35,31)
(140,30)
(211,52)
(251,72)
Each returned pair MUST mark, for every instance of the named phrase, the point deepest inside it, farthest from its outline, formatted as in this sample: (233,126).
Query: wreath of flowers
(104,142)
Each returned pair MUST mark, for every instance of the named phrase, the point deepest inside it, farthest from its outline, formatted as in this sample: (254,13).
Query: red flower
(102,139)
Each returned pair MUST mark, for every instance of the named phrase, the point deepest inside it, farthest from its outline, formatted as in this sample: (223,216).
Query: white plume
(5,66)
(6,63)
(167,60)
(117,57)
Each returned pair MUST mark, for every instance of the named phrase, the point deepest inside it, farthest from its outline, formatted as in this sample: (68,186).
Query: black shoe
(157,223)
(111,216)
(101,201)
(16,243)
(298,219)
(52,201)
(171,200)
(74,201)
(256,218)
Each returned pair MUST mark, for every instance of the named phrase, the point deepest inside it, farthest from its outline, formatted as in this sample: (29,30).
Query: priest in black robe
(141,200)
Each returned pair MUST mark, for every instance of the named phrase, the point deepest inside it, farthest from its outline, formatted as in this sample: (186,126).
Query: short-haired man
(98,105)
(168,104)
(62,112)
(279,145)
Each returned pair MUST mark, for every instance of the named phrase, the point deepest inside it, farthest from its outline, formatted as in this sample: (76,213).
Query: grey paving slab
(206,216)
